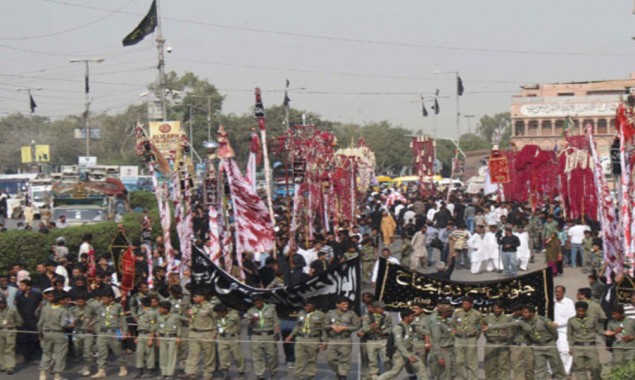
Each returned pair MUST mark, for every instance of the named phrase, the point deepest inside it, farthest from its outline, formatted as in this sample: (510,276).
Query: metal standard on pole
(161,65)
(33,157)
(87,93)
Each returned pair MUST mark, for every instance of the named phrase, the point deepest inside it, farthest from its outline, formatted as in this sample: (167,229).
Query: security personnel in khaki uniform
(110,326)
(466,324)
(228,325)
(521,354)
(83,314)
(368,259)
(404,355)
(497,328)
(180,305)
(340,323)
(376,325)
(168,332)
(420,324)
(543,335)
(623,332)
(146,328)
(581,332)
(309,335)
(10,320)
(265,327)
(201,337)
(442,351)
(53,324)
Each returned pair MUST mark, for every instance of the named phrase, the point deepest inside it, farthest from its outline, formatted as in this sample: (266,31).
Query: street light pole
(86,62)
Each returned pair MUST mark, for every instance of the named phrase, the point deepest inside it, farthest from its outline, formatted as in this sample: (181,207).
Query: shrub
(623,372)
(143,200)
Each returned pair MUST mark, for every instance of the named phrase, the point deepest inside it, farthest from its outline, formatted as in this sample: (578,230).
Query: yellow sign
(26,154)
(166,136)
(42,153)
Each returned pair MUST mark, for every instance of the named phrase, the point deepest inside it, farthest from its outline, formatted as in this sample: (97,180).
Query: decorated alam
(281,245)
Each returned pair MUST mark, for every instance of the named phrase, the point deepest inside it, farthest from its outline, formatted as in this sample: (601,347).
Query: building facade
(540,112)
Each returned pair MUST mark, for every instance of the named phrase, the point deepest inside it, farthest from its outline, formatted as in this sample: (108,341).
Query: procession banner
(166,136)
(624,289)
(499,169)
(399,288)
(342,280)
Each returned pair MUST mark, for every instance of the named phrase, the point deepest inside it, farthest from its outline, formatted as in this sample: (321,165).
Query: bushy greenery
(624,372)
(142,199)
(30,248)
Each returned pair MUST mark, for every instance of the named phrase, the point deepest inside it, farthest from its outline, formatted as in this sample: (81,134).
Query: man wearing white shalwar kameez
(564,308)
(523,253)
(491,252)
(475,243)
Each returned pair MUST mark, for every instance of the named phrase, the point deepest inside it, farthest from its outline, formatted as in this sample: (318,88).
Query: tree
(499,122)
(470,142)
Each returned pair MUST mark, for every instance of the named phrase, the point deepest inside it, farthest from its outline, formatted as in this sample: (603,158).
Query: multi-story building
(540,112)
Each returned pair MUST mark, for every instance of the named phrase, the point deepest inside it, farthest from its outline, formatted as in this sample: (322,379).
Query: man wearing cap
(466,327)
(53,324)
(521,355)
(404,355)
(376,325)
(543,335)
(110,326)
(421,324)
(310,336)
(169,335)
(497,331)
(83,314)
(201,337)
(581,335)
(340,324)
(10,320)
(622,330)
(228,326)
(146,327)
(442,352)
(265,329)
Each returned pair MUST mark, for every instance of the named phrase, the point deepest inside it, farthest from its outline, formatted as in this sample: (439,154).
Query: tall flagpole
(161,64)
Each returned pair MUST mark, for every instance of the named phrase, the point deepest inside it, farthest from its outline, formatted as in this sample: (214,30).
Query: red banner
(499,169)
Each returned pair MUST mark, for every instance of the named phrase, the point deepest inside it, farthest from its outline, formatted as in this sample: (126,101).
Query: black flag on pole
(423,105)
(32,103)
(459,86)
(287,100)
(145,27)
(86,84)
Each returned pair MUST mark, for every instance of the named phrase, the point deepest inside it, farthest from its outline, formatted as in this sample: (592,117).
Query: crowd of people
(60,310)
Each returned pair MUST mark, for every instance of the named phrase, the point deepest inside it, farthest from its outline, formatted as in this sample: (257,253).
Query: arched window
(533,128)
(602,127)
(546,128)
(519,128)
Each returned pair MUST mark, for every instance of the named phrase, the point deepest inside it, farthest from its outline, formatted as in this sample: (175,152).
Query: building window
(602,128)
(546,128)
(566,94)
(533,128)
(612,126)
(519,128)
(559,128)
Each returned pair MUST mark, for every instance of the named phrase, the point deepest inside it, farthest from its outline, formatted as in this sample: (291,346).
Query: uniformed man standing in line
(146,329)
(53,324)
(84,341)
(228,324)
(310,336)
(622,330)
(201,337)
(466,327)
(404,355)
(265,328)
(420,325)
(521,355)
(368,259)
(168,333)
(442,344)
(543,336)
(10,320)
(180,305)
(376,325)
(110,322)
(497,331)
(340,324)
(581,332)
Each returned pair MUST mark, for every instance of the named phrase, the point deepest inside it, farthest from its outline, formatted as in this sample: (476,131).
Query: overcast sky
(356,61)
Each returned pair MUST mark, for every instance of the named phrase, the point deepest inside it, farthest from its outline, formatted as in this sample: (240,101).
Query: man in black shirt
(320,265)
(509,244)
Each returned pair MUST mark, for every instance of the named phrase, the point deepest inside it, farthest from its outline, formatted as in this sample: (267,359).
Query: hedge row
(31,248)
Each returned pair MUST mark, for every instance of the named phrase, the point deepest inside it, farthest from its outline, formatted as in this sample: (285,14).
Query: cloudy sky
(350,61)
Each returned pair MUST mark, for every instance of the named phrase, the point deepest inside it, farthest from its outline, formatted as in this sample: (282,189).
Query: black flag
(32,103)
(145,27)
(425,111)
(459,86)
(86,84)
(287,100)
(435,107)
